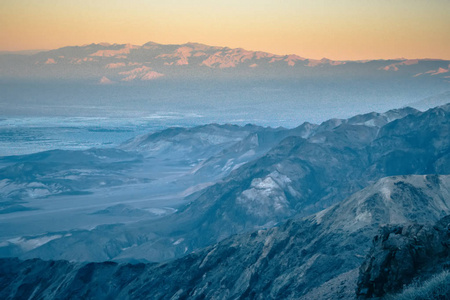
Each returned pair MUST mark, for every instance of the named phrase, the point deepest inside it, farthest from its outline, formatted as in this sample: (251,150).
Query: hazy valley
(193,171)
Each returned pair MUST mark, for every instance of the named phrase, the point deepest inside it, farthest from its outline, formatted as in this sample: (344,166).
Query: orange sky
(345,29)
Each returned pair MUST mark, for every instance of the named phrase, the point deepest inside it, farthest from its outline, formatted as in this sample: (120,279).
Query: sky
(344,29)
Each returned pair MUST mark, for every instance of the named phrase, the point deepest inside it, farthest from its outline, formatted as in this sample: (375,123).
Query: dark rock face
(402,252)
(37,279)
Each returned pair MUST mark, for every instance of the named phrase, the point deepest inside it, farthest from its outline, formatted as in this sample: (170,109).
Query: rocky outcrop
(401,253)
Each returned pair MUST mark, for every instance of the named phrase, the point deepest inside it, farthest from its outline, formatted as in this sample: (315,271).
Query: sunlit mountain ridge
(112,63)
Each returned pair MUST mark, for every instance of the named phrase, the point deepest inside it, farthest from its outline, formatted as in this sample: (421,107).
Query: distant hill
(23,52)
(107,63)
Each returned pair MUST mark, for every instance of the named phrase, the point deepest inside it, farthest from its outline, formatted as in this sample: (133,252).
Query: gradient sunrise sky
(336,29)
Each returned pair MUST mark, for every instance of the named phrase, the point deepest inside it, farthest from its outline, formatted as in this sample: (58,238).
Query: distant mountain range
(112,63)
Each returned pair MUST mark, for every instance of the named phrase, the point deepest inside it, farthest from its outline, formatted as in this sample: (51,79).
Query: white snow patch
(105,80)
(281,179)
(38,192)
(293,192)
(140,70)
(386,193)
(205,260)
(228,165)
(265,195)
(196,188)
(126,248)
(178,241)
(161,211)
(247,154)
(50,61)
(440,71)
(29,244)
(115,65)
(268,183)
(319,216)
(35,185)
(363,217)
(304,268)
(267,246)
(370,123)
(238,165)
(151,75)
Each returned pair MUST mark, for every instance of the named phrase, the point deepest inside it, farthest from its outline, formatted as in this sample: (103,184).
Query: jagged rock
(402,252)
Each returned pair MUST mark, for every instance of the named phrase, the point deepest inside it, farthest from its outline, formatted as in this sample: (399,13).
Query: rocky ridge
(301,259)
(403,253)
(294,179)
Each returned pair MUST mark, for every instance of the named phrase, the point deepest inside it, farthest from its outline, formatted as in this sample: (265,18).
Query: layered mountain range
(111,63)
(270,175)
(277,213)
(312,258)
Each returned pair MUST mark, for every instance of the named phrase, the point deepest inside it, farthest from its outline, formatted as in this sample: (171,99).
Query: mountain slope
(300,176)
(403,253)
(297,259)
(193,144)
(297,177)
(56,172)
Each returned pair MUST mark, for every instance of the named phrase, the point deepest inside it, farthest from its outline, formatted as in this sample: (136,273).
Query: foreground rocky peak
(300,259)
(401,253)
(391,200)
